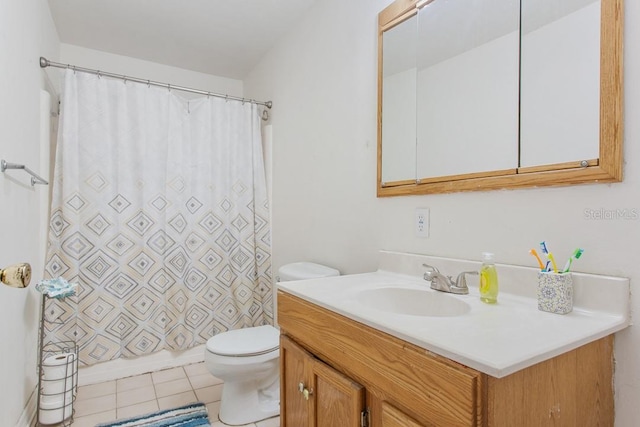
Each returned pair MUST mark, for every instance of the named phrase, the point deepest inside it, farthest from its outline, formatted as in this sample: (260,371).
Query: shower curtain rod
(44,63)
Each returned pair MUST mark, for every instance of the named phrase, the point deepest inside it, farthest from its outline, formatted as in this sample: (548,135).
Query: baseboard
(28,416)
(122,368)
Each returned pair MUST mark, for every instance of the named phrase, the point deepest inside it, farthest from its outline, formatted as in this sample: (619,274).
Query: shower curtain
(159,213)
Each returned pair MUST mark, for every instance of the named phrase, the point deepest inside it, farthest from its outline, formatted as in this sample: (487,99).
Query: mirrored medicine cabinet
(490,94)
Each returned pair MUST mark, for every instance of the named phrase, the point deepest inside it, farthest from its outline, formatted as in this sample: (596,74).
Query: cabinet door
(295,365)
(312,394)
(339,401)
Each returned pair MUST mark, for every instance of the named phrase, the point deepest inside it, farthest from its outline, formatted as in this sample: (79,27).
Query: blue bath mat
(191,415)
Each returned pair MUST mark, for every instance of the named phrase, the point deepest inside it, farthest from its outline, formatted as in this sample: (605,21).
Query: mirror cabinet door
(489,94)
(560,82)
(399,102)
(467,87)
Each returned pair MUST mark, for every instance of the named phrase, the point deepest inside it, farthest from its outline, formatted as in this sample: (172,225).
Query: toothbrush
(553,262)
(543,248)
(575,255)
(546,267)
(535,254)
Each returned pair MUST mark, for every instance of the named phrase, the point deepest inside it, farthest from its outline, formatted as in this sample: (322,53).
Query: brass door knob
(16,276)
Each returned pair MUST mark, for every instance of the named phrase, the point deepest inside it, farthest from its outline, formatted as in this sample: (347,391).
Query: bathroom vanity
(346,362)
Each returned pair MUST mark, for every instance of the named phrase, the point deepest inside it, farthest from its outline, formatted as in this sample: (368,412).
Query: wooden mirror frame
(607,168)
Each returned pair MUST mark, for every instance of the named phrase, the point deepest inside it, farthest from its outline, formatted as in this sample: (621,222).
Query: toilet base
(245,402)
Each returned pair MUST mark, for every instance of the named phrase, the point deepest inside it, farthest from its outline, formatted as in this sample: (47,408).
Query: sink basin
(414,302)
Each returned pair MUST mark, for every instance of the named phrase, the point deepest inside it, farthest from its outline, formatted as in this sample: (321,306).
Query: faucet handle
(435,270)
(428,275)
(461,281)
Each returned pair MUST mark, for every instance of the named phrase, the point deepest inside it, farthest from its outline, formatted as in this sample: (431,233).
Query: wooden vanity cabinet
(347,366)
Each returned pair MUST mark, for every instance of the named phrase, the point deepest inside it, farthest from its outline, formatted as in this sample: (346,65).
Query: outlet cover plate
(421,222)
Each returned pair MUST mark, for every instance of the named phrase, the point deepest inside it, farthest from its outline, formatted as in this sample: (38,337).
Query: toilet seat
(245,342)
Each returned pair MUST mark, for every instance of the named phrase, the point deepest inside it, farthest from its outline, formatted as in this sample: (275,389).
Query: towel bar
(35,178)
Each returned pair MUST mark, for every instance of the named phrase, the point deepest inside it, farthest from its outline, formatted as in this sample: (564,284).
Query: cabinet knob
(305,391)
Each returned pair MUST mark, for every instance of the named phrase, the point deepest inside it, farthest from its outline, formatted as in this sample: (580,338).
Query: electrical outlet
(421,222)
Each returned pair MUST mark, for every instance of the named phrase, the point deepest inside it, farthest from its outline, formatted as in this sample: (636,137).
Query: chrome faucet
(440,282)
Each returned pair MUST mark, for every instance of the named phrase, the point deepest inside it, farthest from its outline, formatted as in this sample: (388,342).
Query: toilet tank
(305,270)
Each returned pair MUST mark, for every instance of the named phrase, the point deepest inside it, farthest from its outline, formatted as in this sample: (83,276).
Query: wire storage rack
(57,377)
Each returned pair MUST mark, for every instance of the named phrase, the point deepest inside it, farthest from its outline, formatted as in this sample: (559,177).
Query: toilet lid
(245,342)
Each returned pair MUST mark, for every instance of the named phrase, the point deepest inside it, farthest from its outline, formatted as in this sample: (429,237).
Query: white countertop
(497,339)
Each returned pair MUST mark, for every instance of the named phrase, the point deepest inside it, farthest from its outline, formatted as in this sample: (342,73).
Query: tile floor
(146,393)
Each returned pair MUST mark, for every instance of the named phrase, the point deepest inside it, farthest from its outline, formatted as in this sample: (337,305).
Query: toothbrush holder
(555,292)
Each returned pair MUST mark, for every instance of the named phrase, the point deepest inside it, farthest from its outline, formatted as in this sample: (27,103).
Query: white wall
(26,33)
(322,79)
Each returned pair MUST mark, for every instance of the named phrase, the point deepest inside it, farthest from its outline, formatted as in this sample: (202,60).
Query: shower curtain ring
(226,98)
(169,87)
(148,83)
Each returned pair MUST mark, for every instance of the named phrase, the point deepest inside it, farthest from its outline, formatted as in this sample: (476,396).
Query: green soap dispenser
(488,279)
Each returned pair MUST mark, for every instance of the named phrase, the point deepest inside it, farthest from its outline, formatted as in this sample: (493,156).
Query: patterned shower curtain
(160,215)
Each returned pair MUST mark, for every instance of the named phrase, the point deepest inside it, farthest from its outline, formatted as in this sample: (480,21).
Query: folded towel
(57,288)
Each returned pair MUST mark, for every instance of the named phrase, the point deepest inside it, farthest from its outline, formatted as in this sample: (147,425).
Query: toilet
(247,360)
